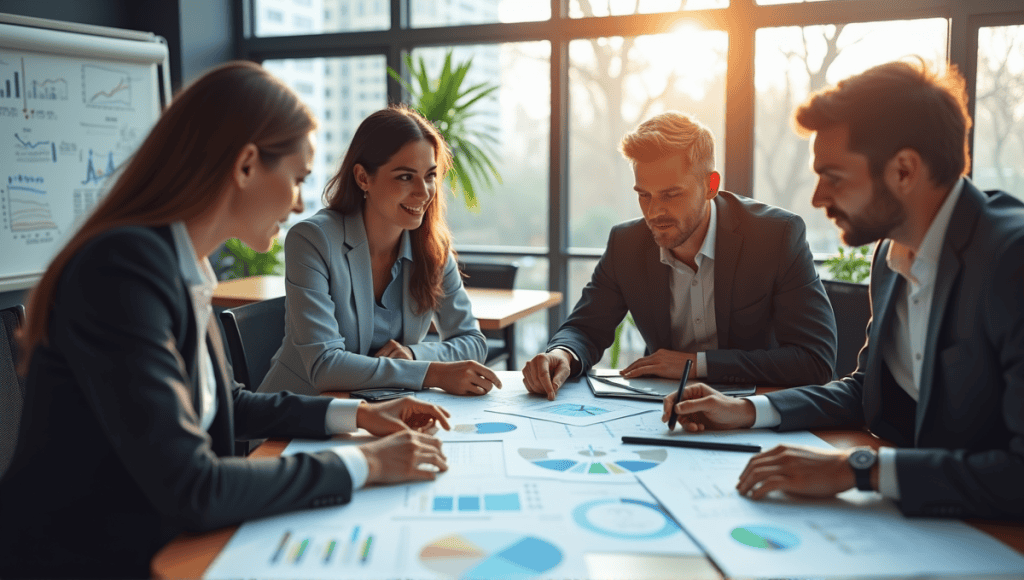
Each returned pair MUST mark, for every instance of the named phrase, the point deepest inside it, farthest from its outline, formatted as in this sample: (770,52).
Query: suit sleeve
(980,482)
(802,320)
(461,338)
(327,361)
(117,317)
(590,328)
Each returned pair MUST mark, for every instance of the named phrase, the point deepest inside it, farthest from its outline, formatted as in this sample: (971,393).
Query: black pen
(679,394)
(692,444)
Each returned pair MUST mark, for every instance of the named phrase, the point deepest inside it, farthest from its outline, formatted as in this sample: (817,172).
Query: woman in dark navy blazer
(131,414)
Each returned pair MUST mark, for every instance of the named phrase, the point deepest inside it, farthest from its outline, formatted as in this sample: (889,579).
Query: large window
(575,75)
(999,113)
(794,62)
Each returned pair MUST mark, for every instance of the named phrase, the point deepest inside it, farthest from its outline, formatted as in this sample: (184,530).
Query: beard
(881,216)
(683,230)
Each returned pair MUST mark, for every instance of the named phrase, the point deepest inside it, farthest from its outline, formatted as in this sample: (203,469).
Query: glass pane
(768,2)
(632,344)
(341,92)
(287,17)
(588,8)
(999,112)
(792,62)
(426,13)
(614,85)
(513,212)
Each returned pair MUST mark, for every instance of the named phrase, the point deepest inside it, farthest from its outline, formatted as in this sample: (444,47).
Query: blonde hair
(671,133)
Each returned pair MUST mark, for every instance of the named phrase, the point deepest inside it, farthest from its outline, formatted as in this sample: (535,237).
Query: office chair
(253,334)
(852,307)
(501,344)
(12,385)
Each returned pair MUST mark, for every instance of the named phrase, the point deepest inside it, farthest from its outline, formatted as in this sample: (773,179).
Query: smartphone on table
(380,394)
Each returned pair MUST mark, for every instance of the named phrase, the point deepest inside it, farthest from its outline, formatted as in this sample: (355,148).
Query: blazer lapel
(655,309)
(885,283)
(222,431)
(958,234)
(360,274)
(727,256)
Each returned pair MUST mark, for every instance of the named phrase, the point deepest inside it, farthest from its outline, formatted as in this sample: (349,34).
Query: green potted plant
(237,260)
(854,266)
(446,103)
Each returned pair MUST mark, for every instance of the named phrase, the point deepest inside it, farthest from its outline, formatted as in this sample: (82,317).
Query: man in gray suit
(942,372)
(709,276)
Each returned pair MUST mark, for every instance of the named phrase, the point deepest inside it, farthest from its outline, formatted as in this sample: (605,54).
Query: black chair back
(852,308)
(500,343)
(253,334)
(12,385)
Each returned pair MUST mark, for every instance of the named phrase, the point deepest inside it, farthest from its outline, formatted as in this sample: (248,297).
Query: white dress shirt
(692,301)
(201,281)
(903,346)
(692,306)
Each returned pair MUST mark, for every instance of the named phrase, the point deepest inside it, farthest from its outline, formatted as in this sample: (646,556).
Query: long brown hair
(376,140)
(183,165)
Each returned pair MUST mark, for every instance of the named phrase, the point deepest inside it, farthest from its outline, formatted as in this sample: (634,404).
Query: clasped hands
(793,469)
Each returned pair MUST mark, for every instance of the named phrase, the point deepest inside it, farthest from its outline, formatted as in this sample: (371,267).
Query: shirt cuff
(766,415)
(355,462)
(341,416)
(702,365)
(888,484)
(568,350)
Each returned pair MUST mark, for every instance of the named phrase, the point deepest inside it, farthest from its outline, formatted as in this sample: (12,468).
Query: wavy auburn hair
(184,164)
(376,140)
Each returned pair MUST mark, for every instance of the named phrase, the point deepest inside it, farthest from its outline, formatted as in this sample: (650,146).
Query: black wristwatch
(862,460)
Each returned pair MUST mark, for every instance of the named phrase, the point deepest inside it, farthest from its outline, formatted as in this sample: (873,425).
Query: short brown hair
(671,133)
(894,106)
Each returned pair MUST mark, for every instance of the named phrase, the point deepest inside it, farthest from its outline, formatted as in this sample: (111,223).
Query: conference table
(494,309)
(190,554)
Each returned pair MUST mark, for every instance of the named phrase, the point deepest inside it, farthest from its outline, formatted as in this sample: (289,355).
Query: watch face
(862,458)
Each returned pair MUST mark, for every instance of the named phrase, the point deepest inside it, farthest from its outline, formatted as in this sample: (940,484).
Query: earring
(364,194)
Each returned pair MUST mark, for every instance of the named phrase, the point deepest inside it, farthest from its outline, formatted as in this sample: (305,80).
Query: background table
(493,309)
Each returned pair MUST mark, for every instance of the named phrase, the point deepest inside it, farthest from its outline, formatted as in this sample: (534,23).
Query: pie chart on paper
(490,554)
(593,460)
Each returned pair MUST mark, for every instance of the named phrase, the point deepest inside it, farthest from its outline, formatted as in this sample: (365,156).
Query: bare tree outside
(793,62)
(999,112)
(615,84)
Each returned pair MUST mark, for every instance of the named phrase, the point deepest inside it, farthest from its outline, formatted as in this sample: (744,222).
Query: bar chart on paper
(477,499)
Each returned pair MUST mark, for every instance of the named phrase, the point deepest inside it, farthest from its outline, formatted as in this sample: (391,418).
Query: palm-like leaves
(449,107)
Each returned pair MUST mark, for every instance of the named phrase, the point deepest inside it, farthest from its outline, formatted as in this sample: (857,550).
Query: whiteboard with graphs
(73,108)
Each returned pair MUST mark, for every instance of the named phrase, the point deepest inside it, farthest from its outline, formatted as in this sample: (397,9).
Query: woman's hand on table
(466,377)
(405,413)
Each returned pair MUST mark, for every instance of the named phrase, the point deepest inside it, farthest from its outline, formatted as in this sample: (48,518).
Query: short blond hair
(671,133)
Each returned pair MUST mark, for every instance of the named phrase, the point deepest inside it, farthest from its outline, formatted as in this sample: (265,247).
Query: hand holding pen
(699,407)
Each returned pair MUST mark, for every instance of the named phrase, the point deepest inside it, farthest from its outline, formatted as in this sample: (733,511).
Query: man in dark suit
(942,372)
(709,276)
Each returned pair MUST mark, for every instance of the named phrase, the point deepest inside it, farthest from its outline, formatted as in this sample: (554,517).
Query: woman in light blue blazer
(365,275)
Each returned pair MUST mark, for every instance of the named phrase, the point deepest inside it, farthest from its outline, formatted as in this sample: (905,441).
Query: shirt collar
(195,272)
(707,248)
(919,268)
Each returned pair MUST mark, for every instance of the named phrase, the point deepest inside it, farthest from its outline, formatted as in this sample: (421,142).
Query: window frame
(740,20)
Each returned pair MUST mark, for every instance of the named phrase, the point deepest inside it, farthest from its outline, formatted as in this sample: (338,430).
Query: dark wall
(198,35)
